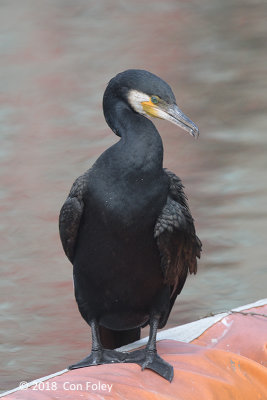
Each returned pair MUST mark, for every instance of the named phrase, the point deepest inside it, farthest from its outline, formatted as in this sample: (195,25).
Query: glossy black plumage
(127,229)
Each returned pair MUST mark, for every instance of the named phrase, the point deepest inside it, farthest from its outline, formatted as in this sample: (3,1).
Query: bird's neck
(140,141)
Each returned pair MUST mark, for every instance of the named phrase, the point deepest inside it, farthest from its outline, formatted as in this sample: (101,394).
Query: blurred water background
(56,59)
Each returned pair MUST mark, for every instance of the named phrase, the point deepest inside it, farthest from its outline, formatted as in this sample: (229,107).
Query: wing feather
(70,216)
(176,238)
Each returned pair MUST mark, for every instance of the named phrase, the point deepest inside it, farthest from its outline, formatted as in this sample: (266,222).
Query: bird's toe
(98,357)
(154,362)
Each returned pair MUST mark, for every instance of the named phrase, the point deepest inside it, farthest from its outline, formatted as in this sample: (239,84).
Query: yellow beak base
(150,108)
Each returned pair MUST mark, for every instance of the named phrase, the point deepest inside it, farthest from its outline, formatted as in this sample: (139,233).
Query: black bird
(126,226)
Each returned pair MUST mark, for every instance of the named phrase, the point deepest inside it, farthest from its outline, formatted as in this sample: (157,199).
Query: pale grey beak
(177,117)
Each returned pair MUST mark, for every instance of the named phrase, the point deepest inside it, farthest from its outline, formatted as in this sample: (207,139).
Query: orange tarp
(226,362)
(242,333)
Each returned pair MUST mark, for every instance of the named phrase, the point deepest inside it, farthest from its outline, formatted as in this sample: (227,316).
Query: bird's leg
(148,357)
(151,349)
(152,359)
(99,355)
(97,347)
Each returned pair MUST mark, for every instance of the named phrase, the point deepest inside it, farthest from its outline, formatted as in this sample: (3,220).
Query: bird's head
(149,95)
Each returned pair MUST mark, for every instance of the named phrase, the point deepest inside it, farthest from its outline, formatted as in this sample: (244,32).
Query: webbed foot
(101,356)
(151,360)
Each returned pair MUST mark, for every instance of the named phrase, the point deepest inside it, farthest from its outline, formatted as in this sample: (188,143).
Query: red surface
(226,362)
(241,334)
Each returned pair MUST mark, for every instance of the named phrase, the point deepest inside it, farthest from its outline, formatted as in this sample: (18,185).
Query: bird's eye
(154,99)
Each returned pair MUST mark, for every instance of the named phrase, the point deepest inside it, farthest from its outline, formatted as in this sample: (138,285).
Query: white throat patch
(135,98)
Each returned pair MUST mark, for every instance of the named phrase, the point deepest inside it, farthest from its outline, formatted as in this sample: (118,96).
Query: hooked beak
(177,117)
(171,113)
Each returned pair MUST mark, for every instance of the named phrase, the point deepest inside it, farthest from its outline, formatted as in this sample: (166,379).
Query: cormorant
(126,226)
